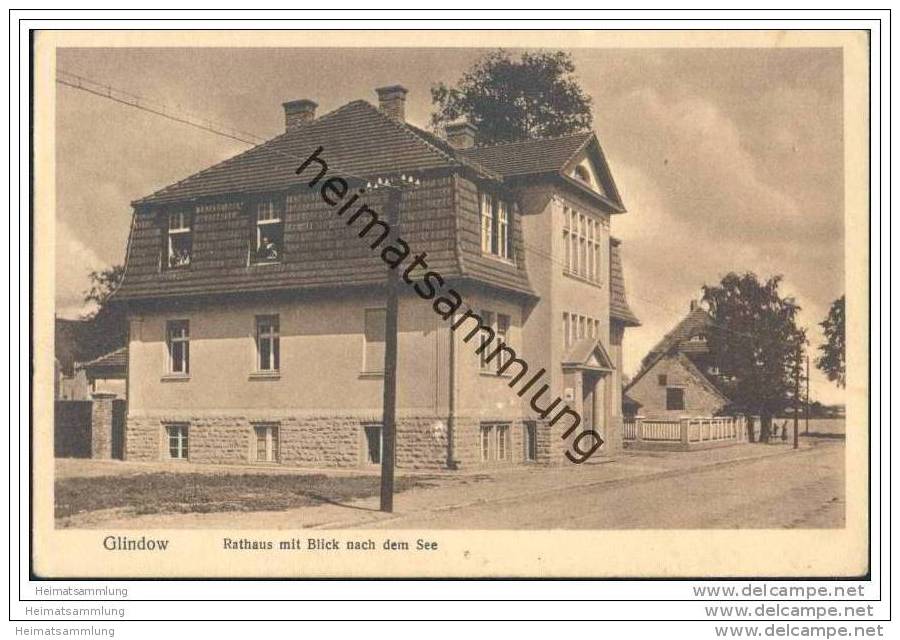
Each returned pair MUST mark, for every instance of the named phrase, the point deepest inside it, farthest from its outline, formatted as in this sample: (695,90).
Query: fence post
(102,425)
(637,428)
(685,432)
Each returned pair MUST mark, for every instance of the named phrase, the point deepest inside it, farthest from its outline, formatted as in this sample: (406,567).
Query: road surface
(804,489)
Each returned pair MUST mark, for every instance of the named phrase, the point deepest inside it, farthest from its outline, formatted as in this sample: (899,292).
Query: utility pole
(389,406)
(807,395)
(797,366)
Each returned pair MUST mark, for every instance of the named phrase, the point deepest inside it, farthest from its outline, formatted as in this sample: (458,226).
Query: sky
(726,159)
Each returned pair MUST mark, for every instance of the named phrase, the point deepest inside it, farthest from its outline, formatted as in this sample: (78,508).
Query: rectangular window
(567,335)
(487,449)
(487,319)
(374,443)
(177,435)
(502,441)
(265,442)
(662,379)
(373,355)
(487,224)
(496,230)
(582,256)
(674,398)
(590,250)
(178,346)
(502,229)
(268,344)
(269,232)
(502,336)
(530,441)
(179,242)
(581,245)
(495,442)
(582,327)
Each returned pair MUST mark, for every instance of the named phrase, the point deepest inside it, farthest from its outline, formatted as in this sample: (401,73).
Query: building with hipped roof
(256,310)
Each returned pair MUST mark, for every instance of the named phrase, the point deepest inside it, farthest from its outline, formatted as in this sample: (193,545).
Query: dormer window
(496,231)
(700,337)
(178,239)
(269,239)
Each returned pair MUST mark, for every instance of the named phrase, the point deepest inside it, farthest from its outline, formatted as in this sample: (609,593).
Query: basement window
(177,435)
(374,443)
(265,442)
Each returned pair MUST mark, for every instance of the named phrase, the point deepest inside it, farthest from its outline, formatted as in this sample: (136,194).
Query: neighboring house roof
(676,343)
(697,321)
(618,303)
(588,353)
(112,362)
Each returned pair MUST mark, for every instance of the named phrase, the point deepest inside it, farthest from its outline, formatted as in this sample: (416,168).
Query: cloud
(74,262)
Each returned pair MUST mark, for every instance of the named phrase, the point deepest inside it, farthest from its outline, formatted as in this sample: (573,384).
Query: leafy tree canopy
(535,96)
(832,358)
(757,343)
(109,330)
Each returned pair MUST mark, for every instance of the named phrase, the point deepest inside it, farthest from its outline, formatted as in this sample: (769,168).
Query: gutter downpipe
(451,399)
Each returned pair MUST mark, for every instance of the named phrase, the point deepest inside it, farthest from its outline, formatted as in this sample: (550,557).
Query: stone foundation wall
(315,441)
(340,441)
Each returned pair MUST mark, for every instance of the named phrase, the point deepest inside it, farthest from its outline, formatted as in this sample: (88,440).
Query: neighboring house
(69,383)
(257,315)
(679,378)
(106,374)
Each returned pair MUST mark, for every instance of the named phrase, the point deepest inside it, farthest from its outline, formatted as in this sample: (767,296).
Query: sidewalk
(451,491)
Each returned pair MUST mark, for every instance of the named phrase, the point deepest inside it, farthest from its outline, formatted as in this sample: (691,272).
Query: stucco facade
(698,398)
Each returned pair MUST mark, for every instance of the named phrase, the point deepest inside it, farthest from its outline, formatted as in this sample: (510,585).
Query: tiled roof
(113,360)
(697,321)
(357,140)
(618,303)
(675,343)
(529,156)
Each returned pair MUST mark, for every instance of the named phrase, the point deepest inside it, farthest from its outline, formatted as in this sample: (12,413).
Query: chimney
(461,135)
(392,101)
(298,113)
(695,304)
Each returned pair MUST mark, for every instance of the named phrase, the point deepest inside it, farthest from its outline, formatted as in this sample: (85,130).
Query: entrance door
(588,399)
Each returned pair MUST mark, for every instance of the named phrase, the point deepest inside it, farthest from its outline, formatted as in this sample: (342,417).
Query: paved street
(801,490)
(745,486)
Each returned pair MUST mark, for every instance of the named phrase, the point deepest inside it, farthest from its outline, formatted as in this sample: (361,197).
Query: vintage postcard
(451,304)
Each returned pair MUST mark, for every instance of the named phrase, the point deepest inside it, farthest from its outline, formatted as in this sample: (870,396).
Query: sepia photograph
(588,285)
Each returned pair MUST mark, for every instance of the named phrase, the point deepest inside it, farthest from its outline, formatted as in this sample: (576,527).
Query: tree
(535,96)
(109,329)
(757,344)
(832,361)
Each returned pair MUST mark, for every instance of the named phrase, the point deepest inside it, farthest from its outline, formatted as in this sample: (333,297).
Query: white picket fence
(686,431)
